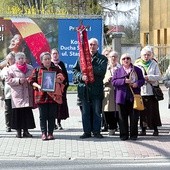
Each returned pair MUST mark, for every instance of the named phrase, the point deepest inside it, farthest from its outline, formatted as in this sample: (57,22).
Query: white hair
(124,56)
(20,54)
(93,40)
(113,53)
(146,49)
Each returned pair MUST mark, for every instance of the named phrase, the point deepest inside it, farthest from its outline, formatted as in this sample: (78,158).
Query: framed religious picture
(48,81)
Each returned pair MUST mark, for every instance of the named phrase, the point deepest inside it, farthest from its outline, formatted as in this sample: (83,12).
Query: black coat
(92,90)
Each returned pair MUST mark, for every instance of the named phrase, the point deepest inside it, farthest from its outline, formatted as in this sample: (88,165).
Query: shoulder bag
(138,101)
(157,92)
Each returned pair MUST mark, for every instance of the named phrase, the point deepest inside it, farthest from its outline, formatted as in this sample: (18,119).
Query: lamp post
(116,4)
(116,36)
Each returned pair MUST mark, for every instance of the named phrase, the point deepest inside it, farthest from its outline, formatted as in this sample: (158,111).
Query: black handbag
(158,93)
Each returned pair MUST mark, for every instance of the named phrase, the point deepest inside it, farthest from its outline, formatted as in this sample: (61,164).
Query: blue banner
(67,39)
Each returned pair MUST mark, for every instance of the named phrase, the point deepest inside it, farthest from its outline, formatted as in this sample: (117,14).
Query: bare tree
(74,7)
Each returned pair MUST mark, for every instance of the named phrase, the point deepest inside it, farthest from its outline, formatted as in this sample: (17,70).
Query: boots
(60,127)
(59,124)
(155,133)
(18,133)
(143,132)
(26,134)
(7,122)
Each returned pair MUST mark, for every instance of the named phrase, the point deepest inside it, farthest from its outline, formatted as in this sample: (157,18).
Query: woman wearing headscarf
(126,77)
(150,116)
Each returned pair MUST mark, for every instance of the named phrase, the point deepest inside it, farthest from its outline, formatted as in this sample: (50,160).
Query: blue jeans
(91,115)
(48,112)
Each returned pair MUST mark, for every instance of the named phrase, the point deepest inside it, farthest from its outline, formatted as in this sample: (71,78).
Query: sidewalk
(68,145)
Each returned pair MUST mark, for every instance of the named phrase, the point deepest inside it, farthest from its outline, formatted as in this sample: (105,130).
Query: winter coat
(122,89)
(154,76)
(91,90)
(6,86)
(41,96)
(63,111)
(64,71)
(109,103)
(21,94)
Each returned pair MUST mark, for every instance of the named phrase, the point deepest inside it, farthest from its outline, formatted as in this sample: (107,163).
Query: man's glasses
(127,58)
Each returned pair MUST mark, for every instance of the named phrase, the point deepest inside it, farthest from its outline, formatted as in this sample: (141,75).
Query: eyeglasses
(128,58)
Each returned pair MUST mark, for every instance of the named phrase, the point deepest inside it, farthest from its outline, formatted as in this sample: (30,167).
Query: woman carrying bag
(125,77)
(150,116)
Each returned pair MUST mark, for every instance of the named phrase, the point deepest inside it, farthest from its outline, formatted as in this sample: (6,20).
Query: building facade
(155,27)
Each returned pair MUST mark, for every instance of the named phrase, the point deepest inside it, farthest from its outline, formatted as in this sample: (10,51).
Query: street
(68,151)
(60,164)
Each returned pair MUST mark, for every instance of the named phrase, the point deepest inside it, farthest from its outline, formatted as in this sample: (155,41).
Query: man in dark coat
(91,94)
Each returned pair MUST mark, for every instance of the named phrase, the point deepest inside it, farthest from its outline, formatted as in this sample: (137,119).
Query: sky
(125,13)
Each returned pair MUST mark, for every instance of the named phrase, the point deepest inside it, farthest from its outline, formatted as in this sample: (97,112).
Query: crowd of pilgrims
(105,104)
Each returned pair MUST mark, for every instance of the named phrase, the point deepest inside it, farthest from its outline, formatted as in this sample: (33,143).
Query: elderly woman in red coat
(21,95)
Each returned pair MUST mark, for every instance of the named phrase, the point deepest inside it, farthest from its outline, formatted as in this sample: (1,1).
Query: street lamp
(116,4)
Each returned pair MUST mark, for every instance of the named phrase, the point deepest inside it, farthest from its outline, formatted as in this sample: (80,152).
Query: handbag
(138,101)
(157,92)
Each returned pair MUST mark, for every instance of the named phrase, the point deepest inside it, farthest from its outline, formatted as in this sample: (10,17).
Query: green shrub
(72,88)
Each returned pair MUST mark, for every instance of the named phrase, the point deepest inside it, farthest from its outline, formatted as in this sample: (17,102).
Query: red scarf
(22,68)
(84,53)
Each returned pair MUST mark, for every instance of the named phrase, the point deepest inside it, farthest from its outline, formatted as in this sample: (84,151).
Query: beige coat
(21,94)
(109,96)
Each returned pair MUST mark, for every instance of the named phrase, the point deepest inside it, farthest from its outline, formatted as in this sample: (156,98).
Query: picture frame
(48,81)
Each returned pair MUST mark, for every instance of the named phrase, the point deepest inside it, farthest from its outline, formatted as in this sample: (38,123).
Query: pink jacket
(21,94)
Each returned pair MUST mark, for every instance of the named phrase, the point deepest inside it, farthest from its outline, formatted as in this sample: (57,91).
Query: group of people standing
(22,86)
(111,94)
(139,78)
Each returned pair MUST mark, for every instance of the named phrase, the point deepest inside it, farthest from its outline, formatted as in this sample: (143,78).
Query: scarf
(22,68)
(144,64)
(84,54)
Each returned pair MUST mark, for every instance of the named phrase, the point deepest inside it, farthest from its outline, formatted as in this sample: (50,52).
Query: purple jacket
(123,92)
